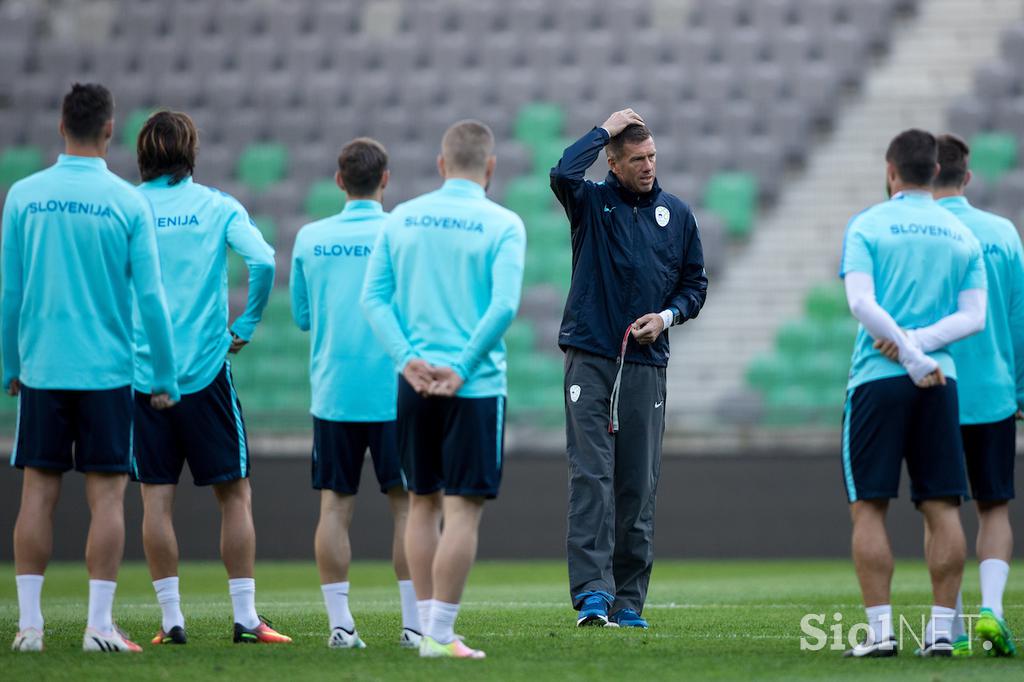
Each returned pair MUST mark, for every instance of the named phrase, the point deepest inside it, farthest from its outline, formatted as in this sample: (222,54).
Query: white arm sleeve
(968,319)
(860,294)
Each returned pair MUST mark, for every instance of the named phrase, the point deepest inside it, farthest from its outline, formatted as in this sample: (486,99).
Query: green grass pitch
(729,620)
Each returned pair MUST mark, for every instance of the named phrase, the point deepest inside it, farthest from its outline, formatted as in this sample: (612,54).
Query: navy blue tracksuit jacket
(632,254)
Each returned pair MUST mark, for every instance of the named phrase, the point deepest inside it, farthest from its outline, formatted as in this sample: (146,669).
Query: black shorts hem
(959,495)
(388,486)
(876,495)
(48,466)
(432,491)
(104,469)
(993,498)
(150,480)
(223,478)
(341,490)
(488,494)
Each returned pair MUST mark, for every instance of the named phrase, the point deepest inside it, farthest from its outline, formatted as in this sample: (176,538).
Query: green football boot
(995,636)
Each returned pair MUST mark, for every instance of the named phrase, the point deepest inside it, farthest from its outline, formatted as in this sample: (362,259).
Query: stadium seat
(19,162)
(733,196)
(993,154)
(539,122)
(261,165)
(324,199)
(132,126)
(528,195)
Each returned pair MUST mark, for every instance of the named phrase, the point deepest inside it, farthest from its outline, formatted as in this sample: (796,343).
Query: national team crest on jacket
(661,215)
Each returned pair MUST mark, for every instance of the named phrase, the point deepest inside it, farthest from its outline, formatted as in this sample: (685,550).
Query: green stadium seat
(733,198)
(262,165)
(548,267)
(324,199)
(545,154)
(132,126)
(520,337)
(993,154)
(800,336)
(529,195)
(539,121)
(827,302)
(547,232)
(19,162)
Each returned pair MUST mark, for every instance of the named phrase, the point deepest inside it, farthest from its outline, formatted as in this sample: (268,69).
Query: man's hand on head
(618,121)
(420,375)
(648,328)
(446,383)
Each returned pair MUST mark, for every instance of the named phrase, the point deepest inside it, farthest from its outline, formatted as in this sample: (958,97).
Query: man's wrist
(607,135)
(668,316)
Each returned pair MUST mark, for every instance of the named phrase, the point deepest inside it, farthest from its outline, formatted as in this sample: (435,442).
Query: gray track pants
(613,478)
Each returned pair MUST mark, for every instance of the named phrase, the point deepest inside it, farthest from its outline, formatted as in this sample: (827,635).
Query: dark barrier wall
(763,506)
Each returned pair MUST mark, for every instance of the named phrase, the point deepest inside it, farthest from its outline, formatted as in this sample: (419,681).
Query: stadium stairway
(798,244)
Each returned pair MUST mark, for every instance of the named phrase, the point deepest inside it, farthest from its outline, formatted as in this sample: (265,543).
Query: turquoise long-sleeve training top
(990,364)
(77,240)
(444,281)
(195,226)
(351,375)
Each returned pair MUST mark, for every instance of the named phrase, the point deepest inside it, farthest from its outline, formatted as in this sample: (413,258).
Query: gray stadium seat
(225,92)
(289,22)
(994,80)
(1008,197)
(741,49)
(1013,45)
(846,51)
(334,20)
(967,116)
(159,57)
(870,16)
(770,16)
(1009,117)
(107,61)
(762,83)
(192,19)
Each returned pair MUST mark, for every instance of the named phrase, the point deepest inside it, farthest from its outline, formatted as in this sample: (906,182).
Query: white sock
(410,613)
(169,599)
(994,573)
(30,589)
(101,605)
(336,601)
(243,601)
(423,607)
(880,621)
(958,619)
(442,621)
(941,624)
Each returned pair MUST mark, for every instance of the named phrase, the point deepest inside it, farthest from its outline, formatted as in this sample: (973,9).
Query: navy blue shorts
(88,430)
(990,450)
(451,444)
(339,449)
(891,420)
(204,428)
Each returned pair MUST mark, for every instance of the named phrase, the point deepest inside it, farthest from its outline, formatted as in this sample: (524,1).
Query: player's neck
(944,192)
(898,187)
(478,179)
(93,149)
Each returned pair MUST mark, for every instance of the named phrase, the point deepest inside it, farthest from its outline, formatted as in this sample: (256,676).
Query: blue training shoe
(628,618)
(593,609)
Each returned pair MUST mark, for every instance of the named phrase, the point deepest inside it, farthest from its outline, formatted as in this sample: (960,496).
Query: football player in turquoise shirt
(195,226)
(78,243)
(990,387)
(354,384)
(442,286)
(908,263)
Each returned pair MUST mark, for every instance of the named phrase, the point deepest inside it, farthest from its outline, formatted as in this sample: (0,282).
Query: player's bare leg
(33,546)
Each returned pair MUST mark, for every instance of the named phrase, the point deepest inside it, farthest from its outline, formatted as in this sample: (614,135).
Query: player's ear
(385,176)
(492,163)
(440,166)
(339,182)
(967,179)
(60,128)
(108,129)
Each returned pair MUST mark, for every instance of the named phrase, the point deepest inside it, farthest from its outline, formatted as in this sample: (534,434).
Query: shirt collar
(959,200)
(165,181)
(913,195)
(86,161)
(463,187)
(362,206)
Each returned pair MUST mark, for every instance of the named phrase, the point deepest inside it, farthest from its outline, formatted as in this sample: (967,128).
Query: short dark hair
(362,163)
(634,133)
(85,110)
(914,152)
(467,145)
(168,143)
(954,156)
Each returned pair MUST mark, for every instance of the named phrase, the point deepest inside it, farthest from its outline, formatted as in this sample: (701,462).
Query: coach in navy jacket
(637,269)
